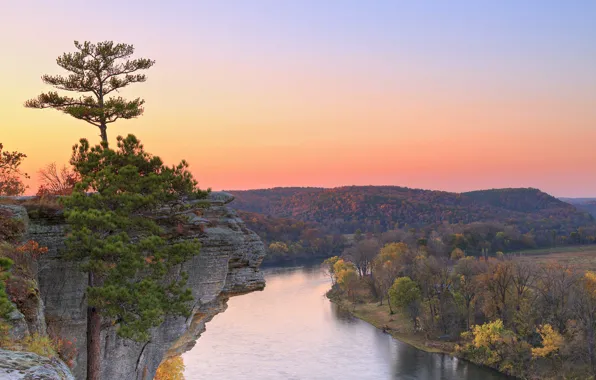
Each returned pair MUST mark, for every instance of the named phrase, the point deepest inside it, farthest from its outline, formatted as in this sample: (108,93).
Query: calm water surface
(291,331)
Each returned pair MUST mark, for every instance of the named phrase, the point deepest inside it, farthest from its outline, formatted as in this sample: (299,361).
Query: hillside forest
(298,223)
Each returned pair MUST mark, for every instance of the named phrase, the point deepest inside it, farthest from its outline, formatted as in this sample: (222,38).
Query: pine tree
(118,215)
(96,70)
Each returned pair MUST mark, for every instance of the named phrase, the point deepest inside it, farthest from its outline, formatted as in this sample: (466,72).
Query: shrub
(24,257)
(66,350)
(5,305)
(40,345)
(10,227)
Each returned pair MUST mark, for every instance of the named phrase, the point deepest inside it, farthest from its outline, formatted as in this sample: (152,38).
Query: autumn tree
(278,248)
(118,216)
(11,182)
(457,254)
(466,285)
(585,312)
(328,266)
(346,277)
(404,294)
(551,342)
(95,71)
(56,181)
(362,255)
(488,343)
(555,286)
(523,279)
(386,267)
(497,284)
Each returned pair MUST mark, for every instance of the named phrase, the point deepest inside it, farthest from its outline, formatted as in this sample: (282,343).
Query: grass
(399,326)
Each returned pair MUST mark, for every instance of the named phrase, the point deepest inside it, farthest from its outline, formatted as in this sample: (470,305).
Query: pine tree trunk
(93,340)
(104,133)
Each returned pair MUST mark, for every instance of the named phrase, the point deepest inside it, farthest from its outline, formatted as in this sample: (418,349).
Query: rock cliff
(227,265)
(29,366)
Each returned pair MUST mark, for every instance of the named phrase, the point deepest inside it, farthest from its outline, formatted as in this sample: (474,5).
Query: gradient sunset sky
(448,95)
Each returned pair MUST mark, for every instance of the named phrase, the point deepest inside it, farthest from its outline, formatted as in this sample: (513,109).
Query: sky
(448,95)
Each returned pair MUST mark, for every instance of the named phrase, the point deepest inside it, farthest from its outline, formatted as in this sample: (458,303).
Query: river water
(291,331)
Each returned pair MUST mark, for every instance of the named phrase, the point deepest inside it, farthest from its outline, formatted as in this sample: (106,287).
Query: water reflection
(342,315)
(291,331)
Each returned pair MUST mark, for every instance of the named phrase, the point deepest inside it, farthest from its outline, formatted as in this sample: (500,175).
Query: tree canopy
(95,71)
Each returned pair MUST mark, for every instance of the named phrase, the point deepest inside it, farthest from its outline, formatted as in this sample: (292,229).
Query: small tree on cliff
(10,173)
(96,70)
(118,216)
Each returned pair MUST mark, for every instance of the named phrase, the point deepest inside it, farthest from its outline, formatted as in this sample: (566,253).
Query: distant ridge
(381,208)
(584,204)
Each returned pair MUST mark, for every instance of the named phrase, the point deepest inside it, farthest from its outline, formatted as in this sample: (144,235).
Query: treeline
(376,209)
(290,239)
(520,317)
(485,238)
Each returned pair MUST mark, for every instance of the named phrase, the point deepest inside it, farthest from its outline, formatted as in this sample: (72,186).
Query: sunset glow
(456,95)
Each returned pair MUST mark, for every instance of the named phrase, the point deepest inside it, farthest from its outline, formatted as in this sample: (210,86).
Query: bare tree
(362,255)
(56,181)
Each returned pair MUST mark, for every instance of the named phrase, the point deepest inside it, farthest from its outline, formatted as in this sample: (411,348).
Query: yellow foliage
(590,283)
(392,251)
(347,278)
(457,254)
(488,334)
(171,369)
(551,341)
(279,247)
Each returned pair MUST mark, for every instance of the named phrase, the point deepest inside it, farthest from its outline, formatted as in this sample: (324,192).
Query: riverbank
(396,325)
(271,334)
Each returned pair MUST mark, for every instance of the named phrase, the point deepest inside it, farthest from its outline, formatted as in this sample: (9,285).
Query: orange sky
(332,95)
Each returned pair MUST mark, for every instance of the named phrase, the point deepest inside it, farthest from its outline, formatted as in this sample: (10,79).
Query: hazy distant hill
(584,204)
(380,208)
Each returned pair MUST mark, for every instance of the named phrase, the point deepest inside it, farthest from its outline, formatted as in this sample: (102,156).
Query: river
(291,331)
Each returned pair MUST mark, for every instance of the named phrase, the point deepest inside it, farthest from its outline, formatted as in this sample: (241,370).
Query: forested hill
(382,208)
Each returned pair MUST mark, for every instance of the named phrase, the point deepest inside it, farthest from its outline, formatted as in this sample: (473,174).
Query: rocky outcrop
(228,265)
(18,325)
(29,366)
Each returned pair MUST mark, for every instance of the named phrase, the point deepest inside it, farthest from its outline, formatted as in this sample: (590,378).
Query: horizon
(450,97)
(406,187)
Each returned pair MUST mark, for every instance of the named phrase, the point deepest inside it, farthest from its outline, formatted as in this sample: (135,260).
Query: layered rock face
(29,366)
(228,265)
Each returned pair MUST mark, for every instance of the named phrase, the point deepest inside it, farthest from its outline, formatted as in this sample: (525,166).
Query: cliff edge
(228,265)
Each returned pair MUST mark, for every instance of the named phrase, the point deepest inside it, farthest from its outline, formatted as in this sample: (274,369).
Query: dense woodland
(381,208)
(523,318)
(298,222)
(289,239)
